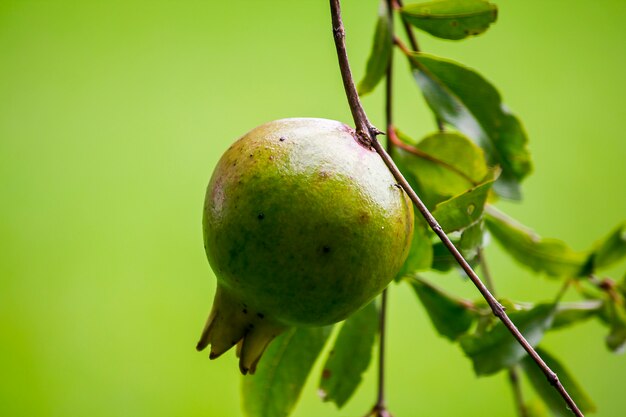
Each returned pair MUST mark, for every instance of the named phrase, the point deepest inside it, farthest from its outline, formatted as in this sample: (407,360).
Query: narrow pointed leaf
(550,256)
(464,99)
(463,210)
(497,349)
(610,250)
(275,388)
(420,256)
(380,53)
(451,317)
(548,394)
(350,357)
(451,19)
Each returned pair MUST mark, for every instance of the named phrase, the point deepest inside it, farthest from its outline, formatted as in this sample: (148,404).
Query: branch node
(339,33)
(553,379)
(498,310)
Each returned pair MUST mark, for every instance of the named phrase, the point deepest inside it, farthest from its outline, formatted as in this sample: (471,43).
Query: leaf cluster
(475,156)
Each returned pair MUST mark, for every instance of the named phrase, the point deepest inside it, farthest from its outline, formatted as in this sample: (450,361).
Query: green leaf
(454,153)
(463,98)
(443,261)
(548,394)
(550,256)
(450,316)
(274,389)
(575,312)
(350,357)
(610,250)
(420,256)
(380,54)
(464,210)
(496,348)
(442,165)
(451,19)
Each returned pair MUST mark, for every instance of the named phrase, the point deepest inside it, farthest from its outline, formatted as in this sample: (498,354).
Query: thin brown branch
(368,133)
(365,130)
(405,49)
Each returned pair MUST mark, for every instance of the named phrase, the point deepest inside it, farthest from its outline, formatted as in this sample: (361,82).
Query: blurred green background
(112,116)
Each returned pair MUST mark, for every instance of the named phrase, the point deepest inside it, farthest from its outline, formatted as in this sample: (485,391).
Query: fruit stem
(367,132)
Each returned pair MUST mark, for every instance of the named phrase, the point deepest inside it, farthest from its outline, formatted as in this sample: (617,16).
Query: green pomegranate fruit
(303,226)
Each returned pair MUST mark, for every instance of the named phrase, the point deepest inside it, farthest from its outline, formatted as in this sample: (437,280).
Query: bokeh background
(112,116)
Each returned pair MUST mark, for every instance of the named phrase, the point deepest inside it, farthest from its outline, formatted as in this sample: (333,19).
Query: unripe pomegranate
(303,226)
